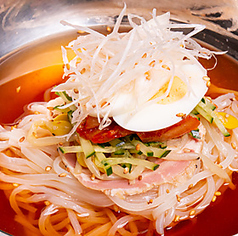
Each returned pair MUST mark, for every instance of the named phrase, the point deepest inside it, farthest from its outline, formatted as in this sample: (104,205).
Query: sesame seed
(15,184)
(150,201)
(62,175)
(176,218)
(116,208)
(140,177)
(104,103)
(187,150)
(217,193)
(147,75)
(48,168)
(233,145)
(192,212)
(214,198)
(93,177)
(83,71)
(180,115)
(219,165)
(126,170)
(144,55)
(165,67)
(76,90)
(109,29)
(178,198)
(233,99)
(81,31)
(14,126)
(152,64)
(67,66)
(167,191)
(190,186)
(138,147)
(206,78)
(47,203)
(21,139)
(208,83)
(18,89)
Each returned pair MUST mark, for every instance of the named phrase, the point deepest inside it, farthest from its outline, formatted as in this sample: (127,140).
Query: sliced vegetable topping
(126,152)
(90,131)
(229,121)
(186,125)
(134,161)
(206,109)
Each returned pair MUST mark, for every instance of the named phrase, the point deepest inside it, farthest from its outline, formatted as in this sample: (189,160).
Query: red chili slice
(186,125)
(89,130)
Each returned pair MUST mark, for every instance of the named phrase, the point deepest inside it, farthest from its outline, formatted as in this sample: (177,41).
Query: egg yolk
(229,121)
(177,91)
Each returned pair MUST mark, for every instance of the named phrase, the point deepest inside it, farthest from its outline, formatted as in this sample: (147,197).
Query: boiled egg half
(164,108)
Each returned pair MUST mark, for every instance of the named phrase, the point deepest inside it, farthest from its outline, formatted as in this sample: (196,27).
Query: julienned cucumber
(98,161)
(87,147)
(207,112)
(150,151)
(134,161)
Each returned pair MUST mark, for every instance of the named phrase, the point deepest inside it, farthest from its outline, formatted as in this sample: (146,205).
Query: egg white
(155,116)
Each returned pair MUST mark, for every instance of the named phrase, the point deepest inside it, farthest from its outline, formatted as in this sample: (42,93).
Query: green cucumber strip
(98,161)
(119,152)
(220,126)
(143,148)
(194,112)
(134,151)
(97,148)
(63,110)
(204,113)
(159,153)
(71,149)
(132,161)
(208,103)
(195,134)
(127,165)
(156,144)
(64,96)
(87,147)
(209,112)
(117,142)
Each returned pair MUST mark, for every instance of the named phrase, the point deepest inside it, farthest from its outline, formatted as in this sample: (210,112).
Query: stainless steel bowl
(25,22)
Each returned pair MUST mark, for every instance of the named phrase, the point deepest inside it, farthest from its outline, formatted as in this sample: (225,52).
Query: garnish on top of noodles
(128,90)
(142,79)
(131,127)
